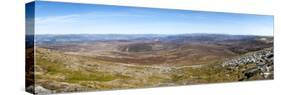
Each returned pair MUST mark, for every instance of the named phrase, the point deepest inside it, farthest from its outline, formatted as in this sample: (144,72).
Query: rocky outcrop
(259,63)
(39,90)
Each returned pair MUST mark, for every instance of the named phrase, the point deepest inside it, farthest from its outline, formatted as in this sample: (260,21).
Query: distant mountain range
(145,37)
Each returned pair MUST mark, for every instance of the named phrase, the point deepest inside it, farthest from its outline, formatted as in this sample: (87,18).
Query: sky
(73,18)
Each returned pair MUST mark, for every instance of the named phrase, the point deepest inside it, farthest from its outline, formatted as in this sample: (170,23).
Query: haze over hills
(150,41)
(163,37)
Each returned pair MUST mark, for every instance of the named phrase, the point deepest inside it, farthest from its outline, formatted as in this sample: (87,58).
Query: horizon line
(152,34)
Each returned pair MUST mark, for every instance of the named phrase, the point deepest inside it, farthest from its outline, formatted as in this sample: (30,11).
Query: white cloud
(57,19)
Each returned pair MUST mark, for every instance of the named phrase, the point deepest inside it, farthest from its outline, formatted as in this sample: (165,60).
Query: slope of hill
(60,72)
(150,61)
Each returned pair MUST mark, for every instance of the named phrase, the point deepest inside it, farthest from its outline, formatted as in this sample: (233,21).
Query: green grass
(72,76)
(78,76)
(209,73)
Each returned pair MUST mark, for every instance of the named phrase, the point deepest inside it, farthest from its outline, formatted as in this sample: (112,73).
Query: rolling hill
(66,63)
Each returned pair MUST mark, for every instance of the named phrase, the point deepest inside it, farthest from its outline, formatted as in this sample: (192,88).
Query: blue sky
(71,18)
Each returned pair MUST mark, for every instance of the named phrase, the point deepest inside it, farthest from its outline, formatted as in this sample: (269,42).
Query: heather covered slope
(151,62)
(72,73)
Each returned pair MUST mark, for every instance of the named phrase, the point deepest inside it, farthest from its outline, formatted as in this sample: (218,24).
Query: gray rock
(263,60)
(39,90)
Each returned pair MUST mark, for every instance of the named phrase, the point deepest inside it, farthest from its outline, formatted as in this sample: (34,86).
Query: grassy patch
(78,76)
(72,76)
(209,73)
